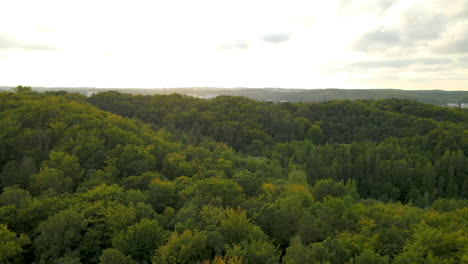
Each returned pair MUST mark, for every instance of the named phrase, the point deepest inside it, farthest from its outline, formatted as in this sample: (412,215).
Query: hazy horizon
(340,44)
(225,88)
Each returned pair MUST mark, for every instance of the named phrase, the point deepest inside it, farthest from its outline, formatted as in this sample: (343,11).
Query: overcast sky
(402,44)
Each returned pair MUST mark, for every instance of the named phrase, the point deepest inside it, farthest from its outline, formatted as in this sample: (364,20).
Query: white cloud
(225,43)
(10,43)
(454,41)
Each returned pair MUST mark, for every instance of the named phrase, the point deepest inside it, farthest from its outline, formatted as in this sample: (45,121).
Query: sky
(401,44)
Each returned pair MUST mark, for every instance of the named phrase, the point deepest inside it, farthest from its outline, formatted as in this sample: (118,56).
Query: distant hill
(436,97)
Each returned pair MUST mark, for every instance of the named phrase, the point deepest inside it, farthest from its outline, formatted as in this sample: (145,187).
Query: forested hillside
(120,178)
(436,97)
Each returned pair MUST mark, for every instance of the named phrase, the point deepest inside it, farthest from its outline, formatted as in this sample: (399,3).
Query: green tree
(441,242)
(11,245)
(315,133)
(236,226)
(370,257)
(118,216)
(162,194)
(17,173)
(254,252)
(298,177)
(16,196)
(60,235)
(135,160)
(215,190)
(248,181)
(140,240)
(188,247)
(328,187)
(329,250)
(23,89)
(68,164)
(113,256)
(175,165)
(49,178)
(296,253)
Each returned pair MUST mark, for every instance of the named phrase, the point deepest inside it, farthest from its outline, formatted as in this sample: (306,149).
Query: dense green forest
(121,178)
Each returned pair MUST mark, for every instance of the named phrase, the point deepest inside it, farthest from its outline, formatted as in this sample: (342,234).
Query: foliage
(119,178)
(60,235)
(140,240)
(188,247)
(10,244)
(113,256)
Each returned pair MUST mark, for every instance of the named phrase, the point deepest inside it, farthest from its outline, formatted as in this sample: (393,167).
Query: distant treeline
(436,97)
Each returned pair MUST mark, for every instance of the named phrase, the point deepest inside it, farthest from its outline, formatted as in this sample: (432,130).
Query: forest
(435,97)
(124,178)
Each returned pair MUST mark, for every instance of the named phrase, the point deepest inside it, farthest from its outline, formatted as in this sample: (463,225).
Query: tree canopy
(120,178)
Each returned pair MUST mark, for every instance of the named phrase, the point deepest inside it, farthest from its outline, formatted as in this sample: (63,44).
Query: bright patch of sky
(402,44)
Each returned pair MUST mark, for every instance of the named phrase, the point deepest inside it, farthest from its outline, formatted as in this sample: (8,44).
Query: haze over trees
(121,178)
(436,97)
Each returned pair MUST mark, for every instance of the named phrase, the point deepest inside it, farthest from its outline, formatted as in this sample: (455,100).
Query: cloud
(400,63)
(244,45)
(413,32)
(239,45)
(277,38)
(404,70)
(420,25)
(377,40)
(455,41)
(418,28)
(463,61)
(464,11)
(9,42)
(431,64)
(354,7)
(457,46)
(385,4)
